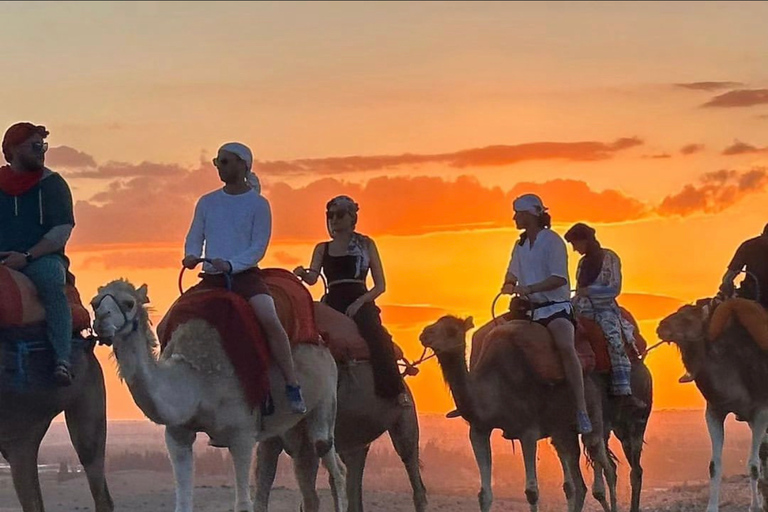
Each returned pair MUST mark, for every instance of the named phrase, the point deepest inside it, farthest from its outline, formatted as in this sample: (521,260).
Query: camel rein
(227,275)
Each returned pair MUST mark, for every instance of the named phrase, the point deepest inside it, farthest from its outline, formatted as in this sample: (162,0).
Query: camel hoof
(532,495)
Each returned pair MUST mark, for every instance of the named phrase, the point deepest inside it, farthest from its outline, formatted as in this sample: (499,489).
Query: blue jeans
(48,273)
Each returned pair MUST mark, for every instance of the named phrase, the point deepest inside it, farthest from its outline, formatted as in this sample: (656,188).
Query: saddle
(21,306)
(590,332)
(533,341)
(242,338)
(342,336)
(748,313)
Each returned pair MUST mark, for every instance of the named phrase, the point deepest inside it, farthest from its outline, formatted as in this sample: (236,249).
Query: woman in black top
(346,260)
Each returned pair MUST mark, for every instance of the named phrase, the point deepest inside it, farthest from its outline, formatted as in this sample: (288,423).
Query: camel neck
(454,367)
(138,367)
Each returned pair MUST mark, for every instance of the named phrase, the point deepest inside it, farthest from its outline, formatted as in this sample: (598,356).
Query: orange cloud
(739,98)
(709,86)
(690,149)
(286,259)
(715,192)
(138,258)
(65,156)
(113,170)
(490,156)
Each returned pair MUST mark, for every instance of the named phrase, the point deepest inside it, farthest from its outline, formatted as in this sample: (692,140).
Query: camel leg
(337,475)
(528,443)
(598,485)
(267,455)
(405,438)
(355,462)
(632,444)
(87,425)
(716,428)
(21,454)
(567,484)
(598,452)
(241,451)
(179,441)
(758,426)
(305,464)
(763,482)
(481,446)
(569,453)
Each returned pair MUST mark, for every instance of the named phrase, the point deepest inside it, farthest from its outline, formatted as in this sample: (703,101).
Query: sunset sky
(647,120)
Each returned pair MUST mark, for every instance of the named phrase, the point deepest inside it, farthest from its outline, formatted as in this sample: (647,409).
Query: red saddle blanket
(590,332)
(20,306)
(242,337)
(342,335)
(534,342)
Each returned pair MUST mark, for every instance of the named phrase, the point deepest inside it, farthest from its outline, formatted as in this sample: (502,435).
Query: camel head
(119,307)
(687,325)
(447,335)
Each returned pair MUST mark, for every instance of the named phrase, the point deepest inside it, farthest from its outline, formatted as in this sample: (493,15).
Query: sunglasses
(338,214)
(221,162)
(39,147)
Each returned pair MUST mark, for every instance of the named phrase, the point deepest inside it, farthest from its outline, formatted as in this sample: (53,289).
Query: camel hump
(533,341)
(748,313)
(198,343)
(342,335)
(21,305)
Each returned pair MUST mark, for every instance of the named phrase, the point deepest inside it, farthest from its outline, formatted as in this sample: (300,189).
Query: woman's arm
(608,284)
(310,275)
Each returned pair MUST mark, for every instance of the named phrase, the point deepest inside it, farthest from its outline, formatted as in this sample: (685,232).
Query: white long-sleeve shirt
(235,228)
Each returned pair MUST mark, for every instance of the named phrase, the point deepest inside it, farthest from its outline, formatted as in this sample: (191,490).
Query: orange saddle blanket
(342,336)
(20,306)
(590,332)
(534,342)
(748,313)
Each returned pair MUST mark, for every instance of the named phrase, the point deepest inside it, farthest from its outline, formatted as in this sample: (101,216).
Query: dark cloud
(690,149)
(65,156)
(739,98)
(490,156)
(741,148)
(715,192)
(709,86)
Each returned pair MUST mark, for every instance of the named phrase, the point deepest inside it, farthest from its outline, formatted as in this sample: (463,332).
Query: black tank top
(339,267)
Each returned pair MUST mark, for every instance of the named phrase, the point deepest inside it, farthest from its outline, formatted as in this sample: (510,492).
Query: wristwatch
(27,256)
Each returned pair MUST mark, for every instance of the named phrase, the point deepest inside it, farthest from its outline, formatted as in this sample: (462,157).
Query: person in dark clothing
(752,258)
(346,260)
(36,221)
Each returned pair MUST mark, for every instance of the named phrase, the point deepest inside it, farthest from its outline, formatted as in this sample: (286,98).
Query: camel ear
(468,324)
(142,294)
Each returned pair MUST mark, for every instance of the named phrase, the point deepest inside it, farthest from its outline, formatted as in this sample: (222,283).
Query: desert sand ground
(146,491)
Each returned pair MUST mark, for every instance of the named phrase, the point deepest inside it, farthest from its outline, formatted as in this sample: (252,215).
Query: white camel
(192,388)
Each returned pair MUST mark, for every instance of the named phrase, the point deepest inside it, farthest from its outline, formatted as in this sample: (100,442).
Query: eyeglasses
(39,147)
(338,214)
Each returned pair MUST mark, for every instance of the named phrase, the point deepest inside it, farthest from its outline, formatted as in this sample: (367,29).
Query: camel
(192,388)
(731,373)
(628,425)
(26,414)
(362,417)
(502,392)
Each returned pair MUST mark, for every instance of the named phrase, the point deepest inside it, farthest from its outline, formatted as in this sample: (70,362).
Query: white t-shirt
(235,228)
(548,257)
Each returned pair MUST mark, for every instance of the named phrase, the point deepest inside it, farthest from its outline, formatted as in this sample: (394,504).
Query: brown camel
(628,425)
(731,372)
(361,418)
(502,391)
(29,401)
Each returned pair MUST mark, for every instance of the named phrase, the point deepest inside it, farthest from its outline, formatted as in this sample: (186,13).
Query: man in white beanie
(234,224)
(538,271)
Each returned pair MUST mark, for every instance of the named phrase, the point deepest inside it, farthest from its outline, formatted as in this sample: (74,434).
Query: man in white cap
(234,224)
(538,271)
